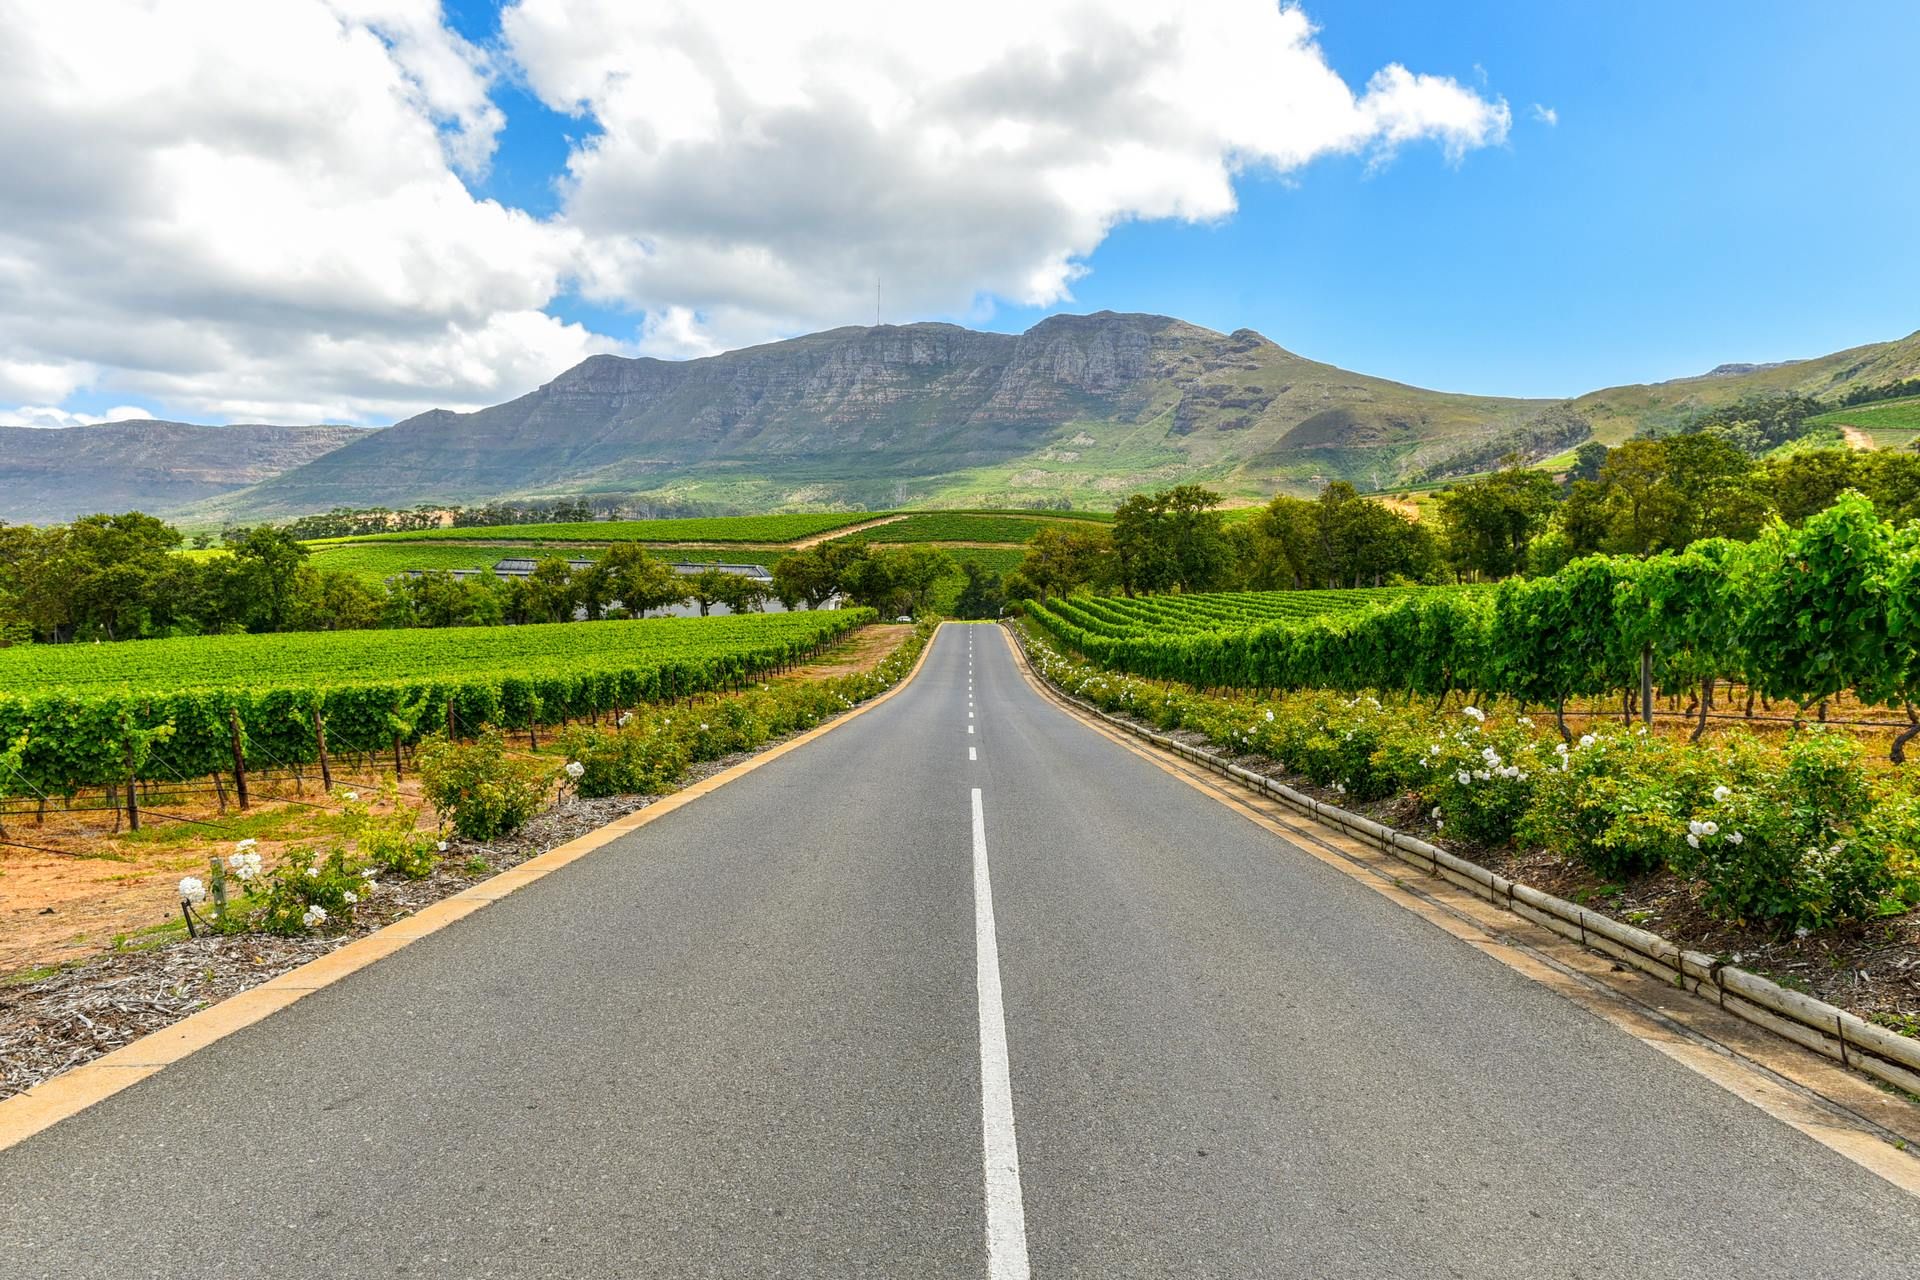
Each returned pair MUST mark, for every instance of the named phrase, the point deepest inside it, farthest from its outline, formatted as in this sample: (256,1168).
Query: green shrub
(394,842)
(1480,780)
(477,786)
(1779,847)
(645,757)
(1615,801)
(309,892)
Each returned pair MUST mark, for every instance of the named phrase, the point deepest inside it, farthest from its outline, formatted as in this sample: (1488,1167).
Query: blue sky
(1717,181)
(1726,181)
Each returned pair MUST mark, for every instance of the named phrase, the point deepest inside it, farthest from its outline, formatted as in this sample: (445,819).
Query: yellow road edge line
(73,1091)
(1822,1100)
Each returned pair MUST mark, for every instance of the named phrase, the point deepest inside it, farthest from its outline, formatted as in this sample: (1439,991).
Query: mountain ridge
(1081,407)
(148,464)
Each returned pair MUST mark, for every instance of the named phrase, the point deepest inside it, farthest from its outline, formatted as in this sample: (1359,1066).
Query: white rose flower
(245,845)
(191,890)
(1463,777)
(1736,838)
(352,797)
(1709,828)
(575,770)
(313,873)
(315,915)
(1586,739)
(1693,840)
(1269,717)
(442,846)
(1721,793)
(350,897)
(1476,714)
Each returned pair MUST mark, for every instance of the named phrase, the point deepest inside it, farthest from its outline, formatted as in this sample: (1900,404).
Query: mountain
(1617,412)
(47,476)
(1089,407)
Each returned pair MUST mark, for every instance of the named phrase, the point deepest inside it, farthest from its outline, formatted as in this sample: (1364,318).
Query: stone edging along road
(73,1091)
(1813,1024)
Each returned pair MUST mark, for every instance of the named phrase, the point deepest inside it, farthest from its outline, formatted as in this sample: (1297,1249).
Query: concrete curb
(1813,1024)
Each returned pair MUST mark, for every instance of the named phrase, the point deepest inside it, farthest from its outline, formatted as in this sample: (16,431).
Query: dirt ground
(77,884)
(862,651)
(84,887)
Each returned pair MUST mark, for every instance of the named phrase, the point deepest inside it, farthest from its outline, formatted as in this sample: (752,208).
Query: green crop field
(376,562)
(88,715)
(1892,424)
(784,528)
(1221,611)
(945,526)
(350,657)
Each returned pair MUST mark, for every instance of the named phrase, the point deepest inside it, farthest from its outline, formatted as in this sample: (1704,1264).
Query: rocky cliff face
(897,412)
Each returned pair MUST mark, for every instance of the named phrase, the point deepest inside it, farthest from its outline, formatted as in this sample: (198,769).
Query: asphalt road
(760,1038)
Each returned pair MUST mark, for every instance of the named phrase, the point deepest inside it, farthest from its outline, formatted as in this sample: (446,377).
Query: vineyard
(1222,611)
(375,563)
(168,710)
(946,526)
(782,528)
(1801,615)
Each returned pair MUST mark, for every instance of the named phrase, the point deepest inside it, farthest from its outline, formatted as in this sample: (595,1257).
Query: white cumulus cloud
(49,416)
(234,209)
(252,210)
(768,168)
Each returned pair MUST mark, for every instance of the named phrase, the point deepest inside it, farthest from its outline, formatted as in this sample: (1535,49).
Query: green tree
(916,571)
(550,591)
(639,581)
(1060,560)
(980,595)
(709,587)
(1170,541)
(742,594)
(269,561)
(1486,525)
(814,575)
(1588,460)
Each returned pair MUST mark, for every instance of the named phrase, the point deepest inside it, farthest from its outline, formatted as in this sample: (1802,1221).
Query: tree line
(124,577)
(1640,498)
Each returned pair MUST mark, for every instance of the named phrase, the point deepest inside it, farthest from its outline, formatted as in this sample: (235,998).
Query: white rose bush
(1782,833)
